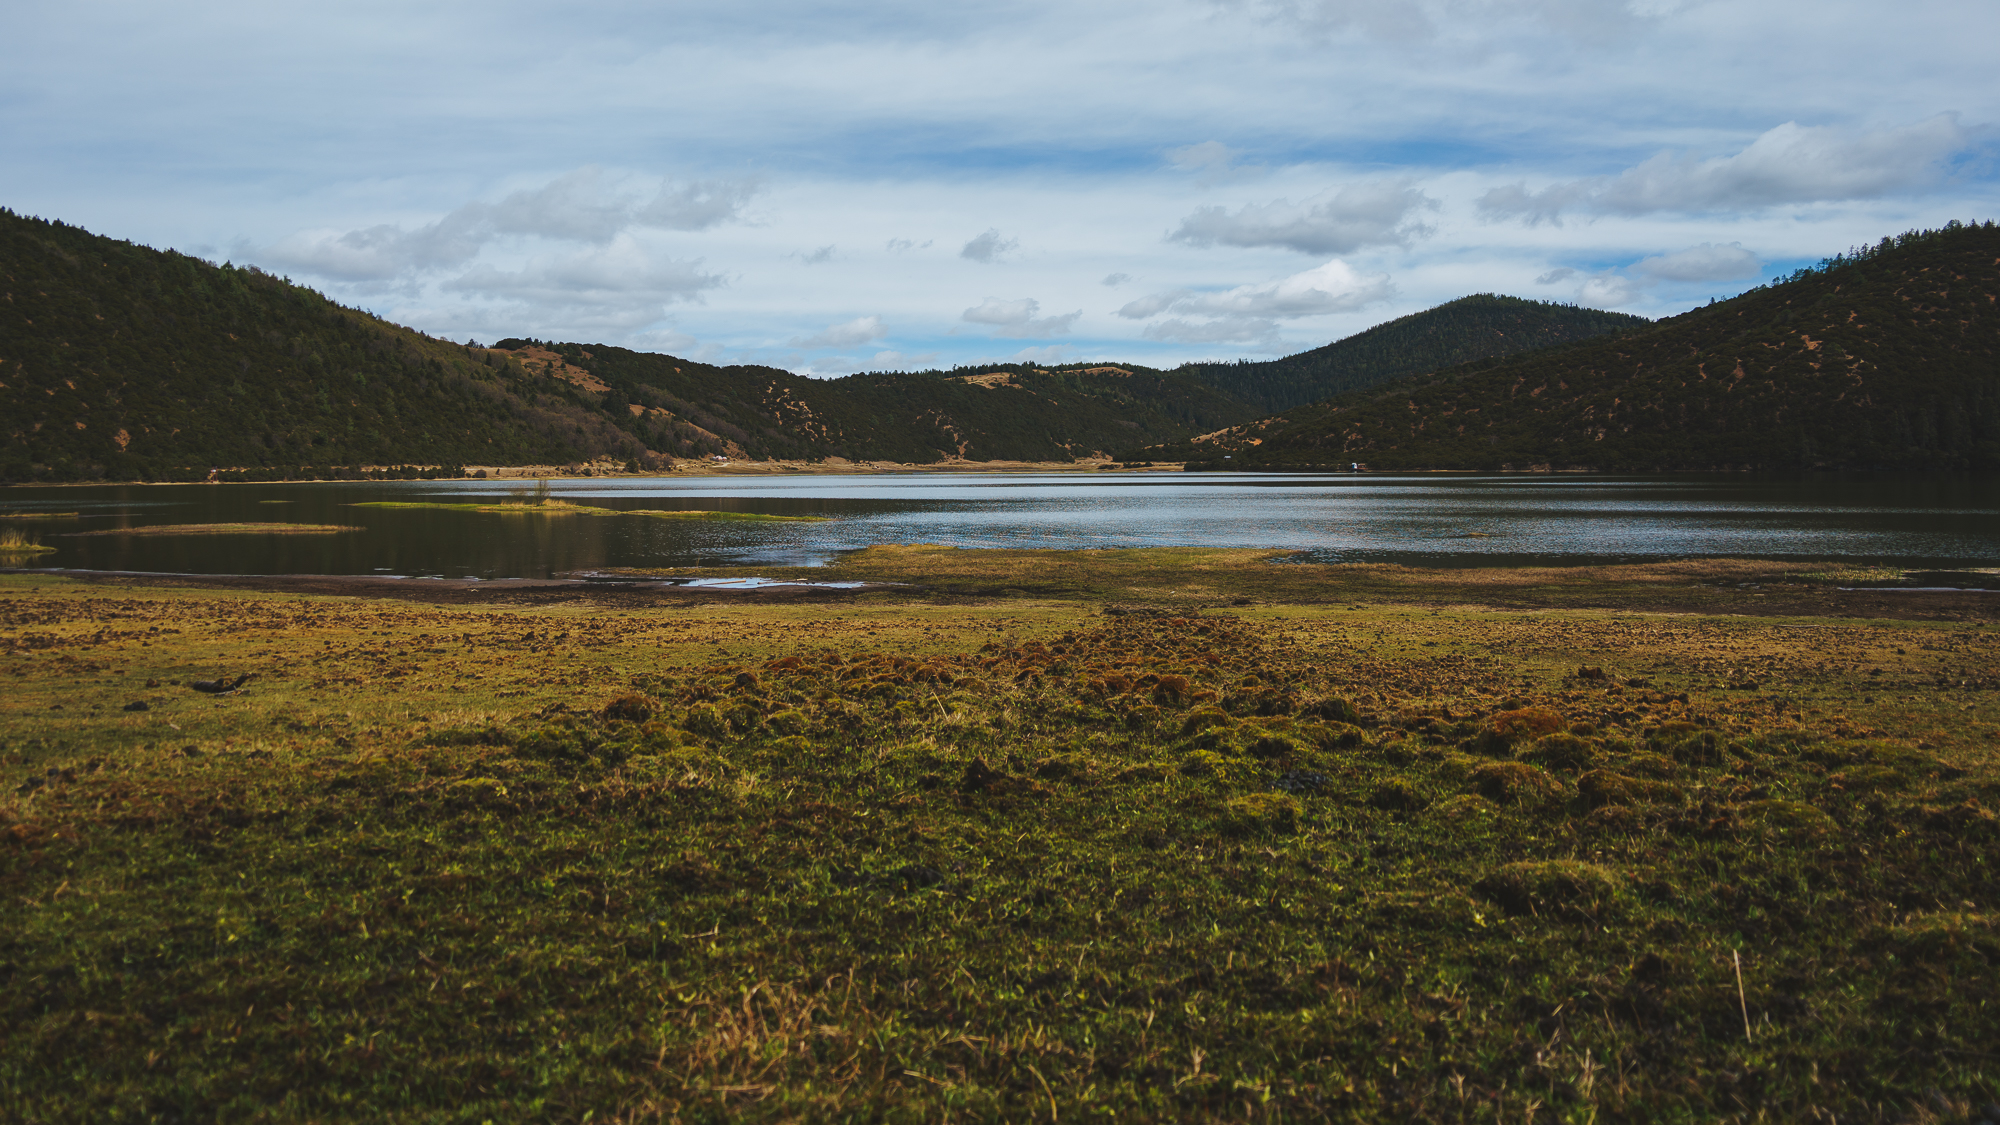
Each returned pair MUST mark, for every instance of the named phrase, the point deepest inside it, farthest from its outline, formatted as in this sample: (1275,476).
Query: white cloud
(1374,213)
(1706,262)
(576,207)
(1154,304)
(988,247)
(1223,330)
(1116,279)
(849,334)
(698,206)
(890,360)
(1788,164)
(1052,353)
(625,274)
(1560,273)
(1609,290)
(1017,320)
(818,257)
(993,310)
(376,253)
(1331,288)
(904,245)
(1414,22)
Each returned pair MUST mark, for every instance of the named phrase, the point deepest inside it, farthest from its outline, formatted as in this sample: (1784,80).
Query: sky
(836,187)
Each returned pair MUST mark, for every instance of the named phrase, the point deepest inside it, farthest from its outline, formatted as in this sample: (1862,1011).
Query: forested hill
(989,413)
(125,362)
(119,361)
(1460,331)
(1886,357)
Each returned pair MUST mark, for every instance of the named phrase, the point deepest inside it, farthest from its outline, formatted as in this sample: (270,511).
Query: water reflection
(1435,520)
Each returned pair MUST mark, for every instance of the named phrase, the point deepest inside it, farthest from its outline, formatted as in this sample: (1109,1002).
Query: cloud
(623,274)
(993,310)
(1213,162)
(884,361)
(1791,163)
(1051,353)
(1017,320)
(575,207)
(1223,330)
(823,254)
(698,206)
(1331,288)
(904,245)
(1560,273)
(1116,279)
(377,253)
(1609,290)
(1706,262)
(861,330)
(1154,304)
(1411,22)
(988,247)
(1374,213)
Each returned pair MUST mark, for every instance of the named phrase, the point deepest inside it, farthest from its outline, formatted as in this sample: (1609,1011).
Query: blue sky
(834,187)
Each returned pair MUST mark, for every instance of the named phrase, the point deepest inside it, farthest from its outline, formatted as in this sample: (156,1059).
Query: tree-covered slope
(1884,358)
(121,361)
(1005,412)
(1470,328)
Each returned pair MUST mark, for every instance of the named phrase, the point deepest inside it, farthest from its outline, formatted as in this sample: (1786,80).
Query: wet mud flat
(1164,837)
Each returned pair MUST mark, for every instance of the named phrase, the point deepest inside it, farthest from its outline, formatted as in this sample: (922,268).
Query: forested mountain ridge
(121,361)
(992,412)
(1471,328)
(124,362)
(1887,357)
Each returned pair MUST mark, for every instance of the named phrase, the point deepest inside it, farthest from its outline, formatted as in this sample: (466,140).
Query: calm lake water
(1419,519)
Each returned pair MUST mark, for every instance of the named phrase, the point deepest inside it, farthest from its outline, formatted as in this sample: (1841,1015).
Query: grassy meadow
(1171,835)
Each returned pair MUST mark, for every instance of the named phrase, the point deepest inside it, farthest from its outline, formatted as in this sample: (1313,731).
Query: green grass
(14,542)
(907,856)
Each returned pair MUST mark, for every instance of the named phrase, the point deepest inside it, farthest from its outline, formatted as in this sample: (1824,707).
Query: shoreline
(909,574)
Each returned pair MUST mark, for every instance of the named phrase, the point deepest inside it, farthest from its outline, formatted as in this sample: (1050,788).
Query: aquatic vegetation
(13,541)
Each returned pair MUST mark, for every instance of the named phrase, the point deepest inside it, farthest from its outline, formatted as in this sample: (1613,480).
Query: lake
(1421,519)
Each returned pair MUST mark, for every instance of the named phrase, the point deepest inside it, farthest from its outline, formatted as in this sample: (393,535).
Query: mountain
(121,361)
(1470,328)
(1884,357)
(1005,412)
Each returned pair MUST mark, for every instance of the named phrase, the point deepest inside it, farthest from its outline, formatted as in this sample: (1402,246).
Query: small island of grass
(14,543)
